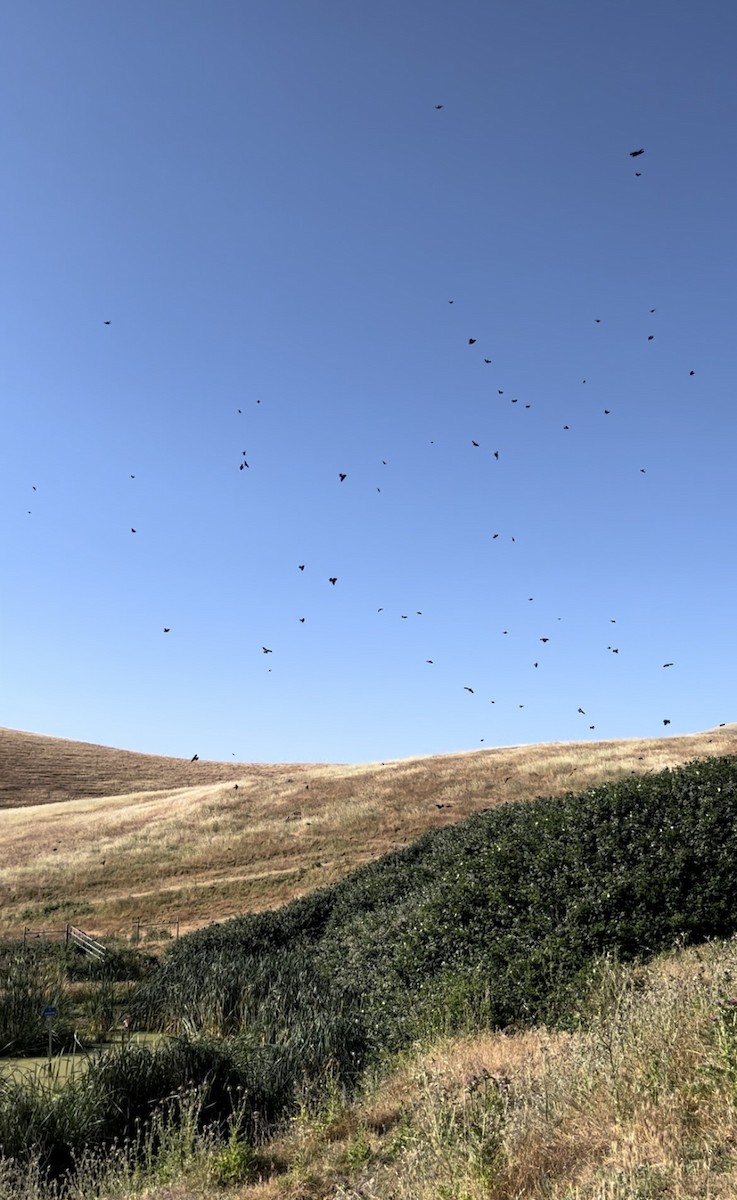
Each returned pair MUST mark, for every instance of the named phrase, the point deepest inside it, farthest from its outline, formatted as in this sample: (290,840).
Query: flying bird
(666,722)
(636,153)
(488,360)
(668,664)
(106,322)
(342,476)
(333,579)
(441,106)
(583,714)
(132,529)
(167,630)
(301,566)
(496,455)
(472,341)
(301,620)
(473,443)
(266,650)
(468,689)
(544,639)
(194,758)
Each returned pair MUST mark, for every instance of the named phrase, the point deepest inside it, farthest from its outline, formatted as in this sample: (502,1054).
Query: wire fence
(140,932)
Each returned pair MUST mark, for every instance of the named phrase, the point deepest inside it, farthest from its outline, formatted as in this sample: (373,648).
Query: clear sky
(245,231)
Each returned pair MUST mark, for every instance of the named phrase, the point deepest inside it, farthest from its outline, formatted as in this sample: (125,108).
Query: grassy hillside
(102,837)
(494,921)
(520,919)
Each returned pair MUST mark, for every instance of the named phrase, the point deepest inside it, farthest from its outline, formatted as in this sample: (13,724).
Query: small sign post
(49,1013)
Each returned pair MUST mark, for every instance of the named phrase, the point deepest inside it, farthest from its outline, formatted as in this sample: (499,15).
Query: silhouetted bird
(496,454)
(582,712)
(441,106)
(106,322)
(301,620)
(690,373)
(487,360)
(666,722)
(132,529)
(301,566)
(668,664)
(333,579)
(342,476)
(194,758)
(167,630)
(651,337)
(266,650)
(472,341)
(544,639)
(473,443)
(428,660)
(468,689)
(636,153)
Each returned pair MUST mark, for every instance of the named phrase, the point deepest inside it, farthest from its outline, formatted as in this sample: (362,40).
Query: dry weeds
(160,840)
(641,1106)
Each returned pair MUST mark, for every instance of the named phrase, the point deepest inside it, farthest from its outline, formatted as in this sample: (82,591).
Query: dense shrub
(498,916)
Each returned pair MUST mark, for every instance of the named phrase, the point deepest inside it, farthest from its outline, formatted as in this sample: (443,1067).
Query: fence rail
(88,944)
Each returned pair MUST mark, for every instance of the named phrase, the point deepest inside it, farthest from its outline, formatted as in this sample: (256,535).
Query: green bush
(499,915)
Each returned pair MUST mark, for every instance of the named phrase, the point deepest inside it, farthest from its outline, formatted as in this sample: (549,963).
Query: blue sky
(268,207)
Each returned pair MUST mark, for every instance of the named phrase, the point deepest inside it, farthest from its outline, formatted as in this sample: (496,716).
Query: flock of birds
(343,475)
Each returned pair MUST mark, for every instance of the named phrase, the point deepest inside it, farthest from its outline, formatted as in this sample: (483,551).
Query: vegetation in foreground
(501,921)
(638,1103)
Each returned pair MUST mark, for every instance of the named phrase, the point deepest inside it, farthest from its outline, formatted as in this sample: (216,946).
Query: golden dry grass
(102,837)
(640,1106)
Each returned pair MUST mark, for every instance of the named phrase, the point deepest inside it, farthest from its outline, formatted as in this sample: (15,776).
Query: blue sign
(49,1012)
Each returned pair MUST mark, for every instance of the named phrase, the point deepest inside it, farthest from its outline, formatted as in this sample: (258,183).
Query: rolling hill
(103,837)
